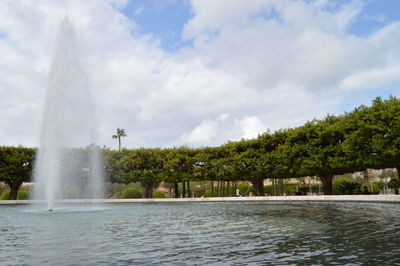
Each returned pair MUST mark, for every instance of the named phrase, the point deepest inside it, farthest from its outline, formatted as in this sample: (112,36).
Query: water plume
(68,164)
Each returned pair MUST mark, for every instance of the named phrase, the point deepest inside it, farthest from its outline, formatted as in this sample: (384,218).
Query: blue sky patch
(374,16)
(164,18)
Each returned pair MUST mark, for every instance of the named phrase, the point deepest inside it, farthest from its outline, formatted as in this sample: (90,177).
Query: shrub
(376,187)
(303,190)
(114,190)
(23,195)
(337,182)
(158,195)
(117,195)
(198,189)
(244,189)
(346,186)
(268,190)
(131,193)
(394,183)
(290,188)
(208,194)
(379,185)
(3,187)
(5,195)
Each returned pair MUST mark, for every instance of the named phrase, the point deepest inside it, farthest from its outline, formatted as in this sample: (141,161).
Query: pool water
(202,233)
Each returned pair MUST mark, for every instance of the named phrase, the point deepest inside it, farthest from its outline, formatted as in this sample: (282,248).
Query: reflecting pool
(202,233)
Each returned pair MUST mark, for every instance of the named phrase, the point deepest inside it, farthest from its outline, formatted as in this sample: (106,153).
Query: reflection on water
(202,233)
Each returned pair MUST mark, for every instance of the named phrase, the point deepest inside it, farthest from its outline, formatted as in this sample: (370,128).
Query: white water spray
(68,164)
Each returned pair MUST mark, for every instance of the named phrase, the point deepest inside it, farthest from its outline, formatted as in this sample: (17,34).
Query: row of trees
(368,137)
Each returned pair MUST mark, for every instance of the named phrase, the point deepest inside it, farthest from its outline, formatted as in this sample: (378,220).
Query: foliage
(131,193)
(394,183)
(304,190)
(367,137)
(22,195)
(208,193)
(346,186)
(158,195)
(16,164)
(114,190)
(120,133)
(378,186)
(5,195)
(268,190)
(290,188)
(3,187)
(244,189)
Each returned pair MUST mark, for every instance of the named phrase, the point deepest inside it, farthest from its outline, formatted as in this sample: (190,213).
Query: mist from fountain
(68,164)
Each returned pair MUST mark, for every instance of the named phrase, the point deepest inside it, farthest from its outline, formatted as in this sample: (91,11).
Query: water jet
(68,163)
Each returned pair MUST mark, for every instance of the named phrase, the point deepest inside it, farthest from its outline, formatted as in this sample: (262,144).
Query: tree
(145,166)
(179,167)
(383,122)
(16,164)
(249,164)
(120,133)
(372,138)
(316,149)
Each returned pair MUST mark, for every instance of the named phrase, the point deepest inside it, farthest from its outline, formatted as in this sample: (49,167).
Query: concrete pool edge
(313,198)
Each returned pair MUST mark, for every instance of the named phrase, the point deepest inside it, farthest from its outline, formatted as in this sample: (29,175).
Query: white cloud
(210,131)
(251,126)
(211,15)
(372,78)
(203,133)
(255,64)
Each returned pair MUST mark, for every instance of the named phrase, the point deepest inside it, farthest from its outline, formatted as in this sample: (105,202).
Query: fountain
(244,231)
(68,164)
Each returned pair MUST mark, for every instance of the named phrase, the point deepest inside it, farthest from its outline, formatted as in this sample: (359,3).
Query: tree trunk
(149,187)
(148,192)
(14,187)
(189,192)
(327,183)
(119,143)
(280,187)
(183,189)
(258,185)
(176,189)
(212,188)
(366,177)
(273,193)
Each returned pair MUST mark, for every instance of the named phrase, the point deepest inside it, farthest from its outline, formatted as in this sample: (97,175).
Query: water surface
(202,233)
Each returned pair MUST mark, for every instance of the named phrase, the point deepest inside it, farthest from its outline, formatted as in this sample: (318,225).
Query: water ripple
(198,233)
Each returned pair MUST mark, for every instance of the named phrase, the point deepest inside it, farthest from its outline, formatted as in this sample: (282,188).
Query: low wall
(322,198)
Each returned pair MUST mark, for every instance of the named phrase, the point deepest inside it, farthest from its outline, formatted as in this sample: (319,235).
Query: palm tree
(120,133)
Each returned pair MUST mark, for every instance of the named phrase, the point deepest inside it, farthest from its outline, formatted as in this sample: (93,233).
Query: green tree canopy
(16,164)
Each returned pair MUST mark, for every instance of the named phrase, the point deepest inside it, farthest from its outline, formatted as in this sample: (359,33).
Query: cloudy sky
(200,72)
